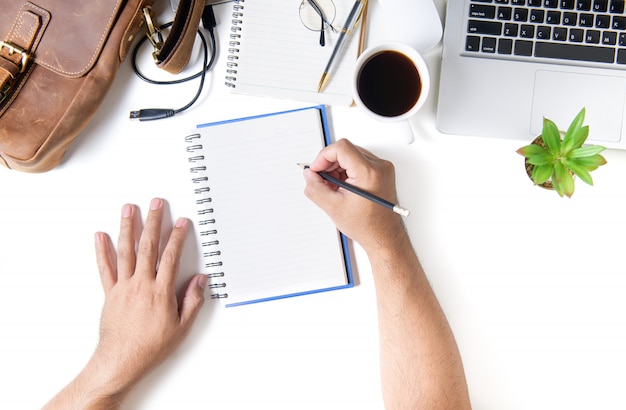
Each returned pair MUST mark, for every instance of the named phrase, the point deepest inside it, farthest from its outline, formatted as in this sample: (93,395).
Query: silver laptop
(509,63)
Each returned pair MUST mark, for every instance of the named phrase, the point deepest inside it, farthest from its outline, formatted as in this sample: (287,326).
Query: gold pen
(348,27)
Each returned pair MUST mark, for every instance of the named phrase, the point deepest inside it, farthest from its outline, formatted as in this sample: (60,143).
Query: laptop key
(505,13)
(520,14)
(609,38)
(559,34)
(553,17)
(570,19)
(527,31)
(619,23)
(576,35)
(617,6)
(592,36)
(586,20)
(491,28)
(472,43)
(510,30)
(537,16)
(543,32)
(482,11)
(600,5)
(505,46)
(489,45)
(574,52)
(603,21)
(523,48)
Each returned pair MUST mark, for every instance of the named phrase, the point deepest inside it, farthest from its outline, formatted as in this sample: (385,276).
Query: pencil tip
(322,82)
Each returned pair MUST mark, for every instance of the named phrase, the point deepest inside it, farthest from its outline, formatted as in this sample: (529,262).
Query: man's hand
(365,222)
(142,320)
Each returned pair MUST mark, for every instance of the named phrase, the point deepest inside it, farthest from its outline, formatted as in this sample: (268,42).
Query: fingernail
(202,280)
(307,174)
(127,211)
(155,204)
(181,222)
(99,237)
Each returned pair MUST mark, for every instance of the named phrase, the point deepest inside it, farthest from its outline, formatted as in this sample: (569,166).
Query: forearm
(92,389)
(421,366)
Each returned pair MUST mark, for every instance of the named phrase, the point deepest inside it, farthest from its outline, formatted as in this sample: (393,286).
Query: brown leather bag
(58,59)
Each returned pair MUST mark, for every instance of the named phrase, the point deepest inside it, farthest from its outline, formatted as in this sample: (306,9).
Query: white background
(533,285)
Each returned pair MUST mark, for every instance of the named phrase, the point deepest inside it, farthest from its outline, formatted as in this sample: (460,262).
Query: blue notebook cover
(261,238)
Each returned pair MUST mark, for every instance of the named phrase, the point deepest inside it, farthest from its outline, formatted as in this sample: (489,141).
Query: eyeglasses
(318,15)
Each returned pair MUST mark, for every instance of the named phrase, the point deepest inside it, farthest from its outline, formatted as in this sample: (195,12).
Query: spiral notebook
(261,238)
(272,52)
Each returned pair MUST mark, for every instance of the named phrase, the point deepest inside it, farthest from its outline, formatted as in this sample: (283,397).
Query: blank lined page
(272,240)
(279,57)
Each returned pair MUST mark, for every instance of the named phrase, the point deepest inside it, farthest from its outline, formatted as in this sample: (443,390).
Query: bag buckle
(153,33)
(15,49)
(4,92)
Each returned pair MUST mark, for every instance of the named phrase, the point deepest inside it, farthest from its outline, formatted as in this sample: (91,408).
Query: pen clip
(358,18)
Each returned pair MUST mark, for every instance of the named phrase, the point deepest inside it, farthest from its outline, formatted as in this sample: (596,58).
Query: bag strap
(21,42)
(172,55)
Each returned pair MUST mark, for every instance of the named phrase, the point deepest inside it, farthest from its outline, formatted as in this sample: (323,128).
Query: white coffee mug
(391,82)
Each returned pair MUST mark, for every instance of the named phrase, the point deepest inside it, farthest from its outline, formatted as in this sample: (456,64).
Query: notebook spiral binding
(234,43)
(208,233)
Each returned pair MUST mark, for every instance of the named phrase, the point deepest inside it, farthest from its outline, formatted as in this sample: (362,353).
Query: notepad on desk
(261,238)
(272,52)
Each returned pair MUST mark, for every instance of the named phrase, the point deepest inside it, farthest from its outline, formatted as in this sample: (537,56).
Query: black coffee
(389,83)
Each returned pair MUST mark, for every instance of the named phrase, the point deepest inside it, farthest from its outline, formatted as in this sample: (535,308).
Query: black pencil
(394,207)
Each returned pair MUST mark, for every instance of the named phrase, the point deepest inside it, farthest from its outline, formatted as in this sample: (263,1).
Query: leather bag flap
(75,35)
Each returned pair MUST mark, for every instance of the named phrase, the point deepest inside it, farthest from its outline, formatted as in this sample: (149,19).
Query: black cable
(208,20)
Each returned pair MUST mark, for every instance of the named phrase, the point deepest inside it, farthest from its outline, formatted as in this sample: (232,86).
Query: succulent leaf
(577,122)
(574,140)
(580,171)
(563,179)
(541,159)
(557,185)
(586,151)
(568,185)
(542,173)
(559,172)
(531,150)
(593,161)
(551,136)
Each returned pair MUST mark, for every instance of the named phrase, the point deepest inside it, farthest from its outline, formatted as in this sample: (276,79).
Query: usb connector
(150,114)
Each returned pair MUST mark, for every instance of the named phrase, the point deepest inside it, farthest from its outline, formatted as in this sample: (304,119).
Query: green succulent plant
(557,160)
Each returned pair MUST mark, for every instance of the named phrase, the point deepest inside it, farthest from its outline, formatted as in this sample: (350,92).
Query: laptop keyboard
(587,32)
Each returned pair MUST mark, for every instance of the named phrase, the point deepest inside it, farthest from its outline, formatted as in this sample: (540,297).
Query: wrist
(104,383)
(388,241)
(394,260)
(89,390)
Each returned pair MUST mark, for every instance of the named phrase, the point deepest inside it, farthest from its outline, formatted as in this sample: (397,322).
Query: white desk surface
(533,285)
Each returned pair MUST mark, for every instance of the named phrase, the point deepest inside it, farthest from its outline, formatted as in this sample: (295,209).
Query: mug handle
(402,131)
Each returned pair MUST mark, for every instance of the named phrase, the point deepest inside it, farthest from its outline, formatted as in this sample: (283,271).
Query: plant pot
(529,167)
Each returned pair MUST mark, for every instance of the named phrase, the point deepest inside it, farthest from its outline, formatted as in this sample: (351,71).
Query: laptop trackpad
(561,95)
